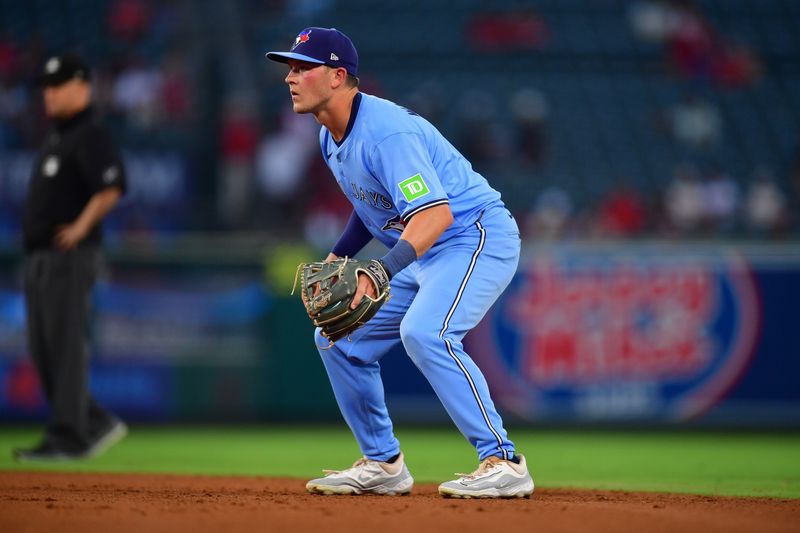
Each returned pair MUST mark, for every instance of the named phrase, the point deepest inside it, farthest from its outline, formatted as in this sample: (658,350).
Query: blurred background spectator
(684,201)
(550,215)
(765,205)
(696,124)
(622,213)
(721,199)
(529,112)
(507,30)
(283,160)
(238,142)
(483,138)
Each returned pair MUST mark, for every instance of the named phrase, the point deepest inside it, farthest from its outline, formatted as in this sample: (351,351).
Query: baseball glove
(327,289)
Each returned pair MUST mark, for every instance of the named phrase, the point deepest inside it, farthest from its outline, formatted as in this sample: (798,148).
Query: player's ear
(339,77)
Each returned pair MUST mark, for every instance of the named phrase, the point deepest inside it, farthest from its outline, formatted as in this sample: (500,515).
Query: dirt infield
(121,503)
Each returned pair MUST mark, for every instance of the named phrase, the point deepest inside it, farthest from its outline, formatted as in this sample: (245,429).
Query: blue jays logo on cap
(323,46)
(303,37)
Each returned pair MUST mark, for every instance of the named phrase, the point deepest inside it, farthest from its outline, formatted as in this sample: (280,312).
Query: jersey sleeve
(100,162)
(402,164)
(323,143)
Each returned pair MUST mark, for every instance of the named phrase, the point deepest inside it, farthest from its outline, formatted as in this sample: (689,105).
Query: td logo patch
(414,187)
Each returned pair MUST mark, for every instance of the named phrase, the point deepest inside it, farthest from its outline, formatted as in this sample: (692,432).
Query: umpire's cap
(62,68)
(324,46)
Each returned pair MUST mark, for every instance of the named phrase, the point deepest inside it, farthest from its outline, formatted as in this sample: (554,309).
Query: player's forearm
(425,228)
(98,207)
(353,239)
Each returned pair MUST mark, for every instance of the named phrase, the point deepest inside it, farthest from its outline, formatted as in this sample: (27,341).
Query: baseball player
(453,249)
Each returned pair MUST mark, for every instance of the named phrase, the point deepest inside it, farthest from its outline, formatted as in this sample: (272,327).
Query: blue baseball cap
(324,46)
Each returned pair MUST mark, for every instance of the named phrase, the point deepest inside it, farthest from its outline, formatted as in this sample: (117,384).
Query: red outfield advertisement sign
(612,337)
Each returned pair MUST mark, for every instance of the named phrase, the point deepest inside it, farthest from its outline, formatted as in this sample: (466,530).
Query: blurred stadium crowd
(594,118)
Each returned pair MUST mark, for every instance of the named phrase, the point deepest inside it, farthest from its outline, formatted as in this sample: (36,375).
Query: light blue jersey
(392,164)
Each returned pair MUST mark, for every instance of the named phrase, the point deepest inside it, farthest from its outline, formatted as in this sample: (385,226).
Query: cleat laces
(488,464)
(361,462)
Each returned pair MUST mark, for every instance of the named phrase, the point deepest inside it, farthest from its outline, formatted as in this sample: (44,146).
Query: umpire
(77,180)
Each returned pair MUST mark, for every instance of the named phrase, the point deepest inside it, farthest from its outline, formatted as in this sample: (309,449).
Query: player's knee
(319,339)
(418,339)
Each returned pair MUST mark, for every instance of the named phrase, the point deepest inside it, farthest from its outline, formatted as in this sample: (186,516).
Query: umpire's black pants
(58,292)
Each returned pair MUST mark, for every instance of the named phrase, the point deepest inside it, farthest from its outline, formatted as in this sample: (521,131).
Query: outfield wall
(646,333)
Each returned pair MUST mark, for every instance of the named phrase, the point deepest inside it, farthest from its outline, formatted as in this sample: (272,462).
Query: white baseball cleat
(494,478)
(365,477)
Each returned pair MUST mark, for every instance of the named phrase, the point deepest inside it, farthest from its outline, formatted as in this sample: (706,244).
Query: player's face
(309,85)
(63,101)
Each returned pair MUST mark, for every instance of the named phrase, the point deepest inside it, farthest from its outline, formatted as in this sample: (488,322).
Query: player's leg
(354,373)
(457,287)
(484,260)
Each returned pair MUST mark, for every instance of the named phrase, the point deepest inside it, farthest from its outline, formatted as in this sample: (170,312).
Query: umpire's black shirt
(77,161)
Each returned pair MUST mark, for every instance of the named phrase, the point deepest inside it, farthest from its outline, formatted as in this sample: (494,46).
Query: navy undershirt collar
(352,121)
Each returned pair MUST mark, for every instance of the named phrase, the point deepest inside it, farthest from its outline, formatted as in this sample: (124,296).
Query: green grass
(745,464)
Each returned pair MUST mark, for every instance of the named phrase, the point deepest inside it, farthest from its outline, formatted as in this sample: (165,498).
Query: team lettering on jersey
(374,198)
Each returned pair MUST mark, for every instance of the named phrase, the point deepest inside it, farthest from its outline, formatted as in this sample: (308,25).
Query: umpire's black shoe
(48,452)
(44,453)
(112,435)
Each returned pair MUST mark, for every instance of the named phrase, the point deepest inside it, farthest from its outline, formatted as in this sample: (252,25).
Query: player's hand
(365,286)
(68,236)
